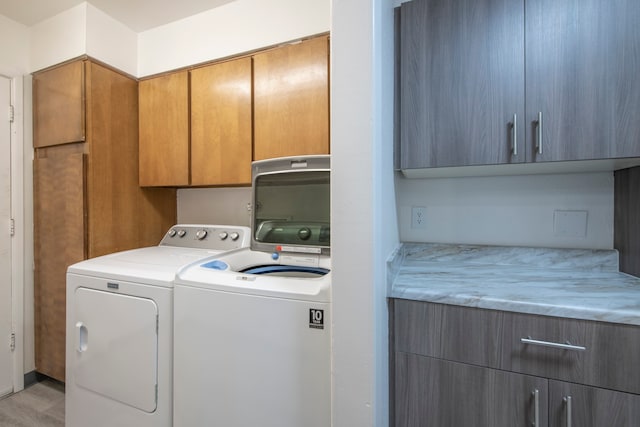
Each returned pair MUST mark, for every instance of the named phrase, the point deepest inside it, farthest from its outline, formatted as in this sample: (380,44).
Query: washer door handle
(82,337)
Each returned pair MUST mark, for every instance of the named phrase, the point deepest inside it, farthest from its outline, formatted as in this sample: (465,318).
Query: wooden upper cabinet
(59,105)
(221,113)
(164,130)
(291,100)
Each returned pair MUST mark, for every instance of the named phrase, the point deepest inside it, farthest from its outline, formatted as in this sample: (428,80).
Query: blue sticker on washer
(216,265)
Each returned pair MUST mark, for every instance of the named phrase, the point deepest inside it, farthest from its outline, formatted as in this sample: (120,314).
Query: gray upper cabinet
(583,58)
(462,68)
(471,69)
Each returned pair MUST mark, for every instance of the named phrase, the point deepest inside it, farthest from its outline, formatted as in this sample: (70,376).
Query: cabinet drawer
(460,334)
(603,354)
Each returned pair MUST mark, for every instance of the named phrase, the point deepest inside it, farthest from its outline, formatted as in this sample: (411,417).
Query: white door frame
(18,190)
(17,242)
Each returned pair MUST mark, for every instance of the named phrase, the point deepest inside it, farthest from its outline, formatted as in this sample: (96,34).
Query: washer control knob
(201,234)
(234,236)
(223,235)
(172,233)
(182,233)
(304,233)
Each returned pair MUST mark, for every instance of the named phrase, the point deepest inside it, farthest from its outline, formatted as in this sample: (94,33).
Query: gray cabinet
(582,61)
(470,367)
(511,81)
(462,82)
(436,392)
(581,406)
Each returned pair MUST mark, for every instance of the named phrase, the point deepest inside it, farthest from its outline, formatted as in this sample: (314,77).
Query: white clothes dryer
(119,350)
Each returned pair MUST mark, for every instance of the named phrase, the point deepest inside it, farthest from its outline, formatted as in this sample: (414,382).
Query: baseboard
(30,378)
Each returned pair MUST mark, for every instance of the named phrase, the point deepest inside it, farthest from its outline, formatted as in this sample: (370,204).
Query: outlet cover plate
(418,217)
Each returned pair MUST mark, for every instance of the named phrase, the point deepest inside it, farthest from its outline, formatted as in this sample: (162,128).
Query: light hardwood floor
(39,405)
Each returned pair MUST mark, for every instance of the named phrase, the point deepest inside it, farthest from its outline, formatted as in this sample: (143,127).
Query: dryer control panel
(203,236)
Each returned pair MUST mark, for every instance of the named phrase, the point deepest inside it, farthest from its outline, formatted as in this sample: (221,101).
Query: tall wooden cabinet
(204,126)
(87,201)
(510,81)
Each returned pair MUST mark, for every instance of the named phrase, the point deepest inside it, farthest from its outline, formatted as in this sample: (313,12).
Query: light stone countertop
(572,283)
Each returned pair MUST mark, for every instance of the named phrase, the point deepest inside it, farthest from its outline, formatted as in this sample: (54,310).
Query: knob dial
(234,236)
(201,234)
(304,233)
(172,232)
(182,233)
(223,235)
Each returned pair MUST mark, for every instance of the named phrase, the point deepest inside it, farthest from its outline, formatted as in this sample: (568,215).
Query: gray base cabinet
(460,366)
(436,392)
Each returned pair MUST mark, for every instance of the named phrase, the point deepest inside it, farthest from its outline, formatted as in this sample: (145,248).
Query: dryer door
(116,346)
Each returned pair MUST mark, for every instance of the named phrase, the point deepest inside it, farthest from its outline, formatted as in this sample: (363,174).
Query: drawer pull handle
(567,401)
(514,128)
(567,346)
(536,407)
(539,138)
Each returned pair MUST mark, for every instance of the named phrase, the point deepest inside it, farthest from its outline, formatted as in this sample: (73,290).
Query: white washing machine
(252,343)
(119,351)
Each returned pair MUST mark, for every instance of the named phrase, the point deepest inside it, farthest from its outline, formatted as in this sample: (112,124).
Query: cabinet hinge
(12,343)
(12,227)
(12,114)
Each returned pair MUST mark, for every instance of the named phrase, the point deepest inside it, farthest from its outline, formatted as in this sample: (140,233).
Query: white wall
(214,206)
(14,45)
(508,210)
(83,30)
(363,227)
(111,42)
(233,28)
(59,38)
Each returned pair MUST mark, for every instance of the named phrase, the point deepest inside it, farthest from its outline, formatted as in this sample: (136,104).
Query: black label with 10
(316,318)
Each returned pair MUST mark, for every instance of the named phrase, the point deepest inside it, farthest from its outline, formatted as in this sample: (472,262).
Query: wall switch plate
(570,224)
(418,217)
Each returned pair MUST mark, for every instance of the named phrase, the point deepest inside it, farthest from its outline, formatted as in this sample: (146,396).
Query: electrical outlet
(418,217)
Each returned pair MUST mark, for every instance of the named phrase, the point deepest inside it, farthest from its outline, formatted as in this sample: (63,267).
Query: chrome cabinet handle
(514,129)
(539,136)
(567,346)
(536,407)
(567,401)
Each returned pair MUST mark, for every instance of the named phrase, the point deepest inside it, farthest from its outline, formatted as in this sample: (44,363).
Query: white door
(116,347)
(6,360)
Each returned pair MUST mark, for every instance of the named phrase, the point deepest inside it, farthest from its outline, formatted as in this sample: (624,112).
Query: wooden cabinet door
(59,231)
(591,406)
(291,100)
(461,83)
(221,123)
(436,392)
(59,105)
(582,76)
(164,130)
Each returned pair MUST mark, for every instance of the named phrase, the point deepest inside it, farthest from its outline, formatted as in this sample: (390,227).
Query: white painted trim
(17,242)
